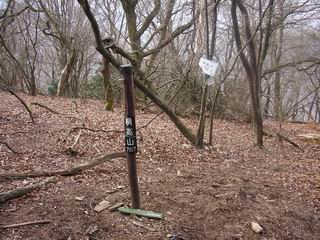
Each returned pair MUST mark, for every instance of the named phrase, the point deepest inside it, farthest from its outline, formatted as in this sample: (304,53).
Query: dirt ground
(214,193)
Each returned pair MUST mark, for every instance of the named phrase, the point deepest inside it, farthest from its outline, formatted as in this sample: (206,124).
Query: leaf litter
(212,193)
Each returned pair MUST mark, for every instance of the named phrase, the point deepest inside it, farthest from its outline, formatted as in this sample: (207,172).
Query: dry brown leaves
(212,193)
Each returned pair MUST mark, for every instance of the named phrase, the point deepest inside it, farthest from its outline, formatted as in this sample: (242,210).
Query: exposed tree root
(64,172)
(268,132)
(45,107)
(18,192)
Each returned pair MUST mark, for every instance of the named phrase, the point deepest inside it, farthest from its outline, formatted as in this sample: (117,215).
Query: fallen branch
(76,139)
(280,136)
(20,99)
(8,146)
(298,122)
(97,130)
(18,192)
(64,172)
(45,107)
(24,224)
(70,149)
(310,137)
(139,224)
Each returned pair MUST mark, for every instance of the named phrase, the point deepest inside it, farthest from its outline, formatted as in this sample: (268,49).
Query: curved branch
(97,35)
(21,100)
(45,107)
(64,172)
(175,34)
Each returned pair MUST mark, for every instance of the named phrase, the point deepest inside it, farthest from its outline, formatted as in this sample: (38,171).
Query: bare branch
(150,17)
(45,107)
(21,100)
(177,32)
(95,28)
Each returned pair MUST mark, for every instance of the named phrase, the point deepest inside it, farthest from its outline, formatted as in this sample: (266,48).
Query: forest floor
(213,193)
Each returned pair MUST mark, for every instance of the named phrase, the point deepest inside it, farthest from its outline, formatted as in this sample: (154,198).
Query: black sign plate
(130,135)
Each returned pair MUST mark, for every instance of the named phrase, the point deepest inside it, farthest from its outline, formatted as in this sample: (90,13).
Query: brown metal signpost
(130,135)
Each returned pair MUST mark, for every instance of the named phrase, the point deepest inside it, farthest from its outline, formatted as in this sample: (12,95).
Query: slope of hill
(212,193)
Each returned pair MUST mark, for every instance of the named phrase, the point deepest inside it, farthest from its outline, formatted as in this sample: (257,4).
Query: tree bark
(108,92)
(277,78)
(63,85)
(250,66)
(212,51)
(268,101)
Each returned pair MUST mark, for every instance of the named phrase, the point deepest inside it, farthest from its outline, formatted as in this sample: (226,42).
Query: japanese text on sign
(130,135)
(208,67)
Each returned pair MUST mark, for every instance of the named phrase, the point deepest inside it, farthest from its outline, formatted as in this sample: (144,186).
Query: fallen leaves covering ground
(214,193)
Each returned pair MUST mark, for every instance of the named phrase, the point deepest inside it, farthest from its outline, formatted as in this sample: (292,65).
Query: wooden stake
(130,135)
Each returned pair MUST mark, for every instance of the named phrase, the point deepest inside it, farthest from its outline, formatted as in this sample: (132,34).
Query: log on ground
(63,172)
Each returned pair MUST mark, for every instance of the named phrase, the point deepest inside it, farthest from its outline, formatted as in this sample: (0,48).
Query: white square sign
(207,66)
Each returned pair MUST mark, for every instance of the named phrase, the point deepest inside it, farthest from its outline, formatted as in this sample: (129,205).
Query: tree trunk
(212,51)
(75,78)
(250,66)
(267,105)
(63,85)
(210,48)
(317,113)
(185,131)
(108,92)
(33,88)
(311,107)
(139,76)
(277,78)
(202,119)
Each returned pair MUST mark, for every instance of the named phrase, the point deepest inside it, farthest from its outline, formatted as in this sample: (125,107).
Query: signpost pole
(130,135)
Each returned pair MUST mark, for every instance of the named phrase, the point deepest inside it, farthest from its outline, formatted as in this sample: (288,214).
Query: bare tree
(138,54)
(250,66)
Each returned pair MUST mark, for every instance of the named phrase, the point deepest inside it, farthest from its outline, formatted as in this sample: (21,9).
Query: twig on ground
(76,140)
(45,107)
(138,224)
(24,224)
(268,132)
(8,146)
(18,192)
(97,130)
(70,149)
(97,148)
